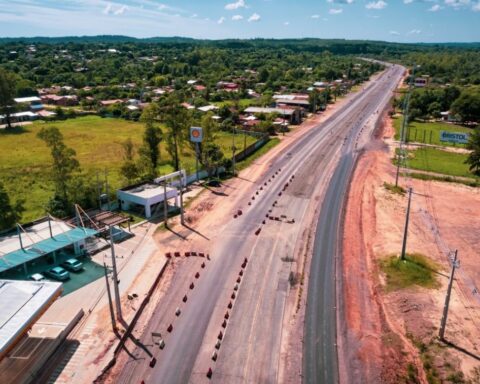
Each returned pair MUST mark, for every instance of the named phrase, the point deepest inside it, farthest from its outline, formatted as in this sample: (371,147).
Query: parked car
(37,277)
(73,265)
(58,273)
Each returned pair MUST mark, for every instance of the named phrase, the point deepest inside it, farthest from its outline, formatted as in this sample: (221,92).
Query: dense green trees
(7,93)
(64,164)
(474,158)
(10,214)
(152,137)
(467,105)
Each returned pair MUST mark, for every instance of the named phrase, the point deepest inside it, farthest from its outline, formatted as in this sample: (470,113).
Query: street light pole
(233,151)
(115,278)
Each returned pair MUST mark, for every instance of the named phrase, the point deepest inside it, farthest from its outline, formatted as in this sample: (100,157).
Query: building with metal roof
(21,305)
(38,240)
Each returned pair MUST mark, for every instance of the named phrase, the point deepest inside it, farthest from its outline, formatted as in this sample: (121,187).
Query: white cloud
(335,11)
(255,17)
(457,4)
(341,1)
(286,23)
(237,17)
(108,9)
(435,8)
(315,16)
(221,20)
(394,33)
(476,7)
(236,5)
(380,4)
(121,10)
(414,32)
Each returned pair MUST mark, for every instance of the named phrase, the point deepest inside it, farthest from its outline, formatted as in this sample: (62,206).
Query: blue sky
(391,20)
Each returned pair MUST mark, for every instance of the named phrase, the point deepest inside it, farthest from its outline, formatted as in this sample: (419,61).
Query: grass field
(25,160)
(438,161)
(416,269)
(428,133)
(243,103)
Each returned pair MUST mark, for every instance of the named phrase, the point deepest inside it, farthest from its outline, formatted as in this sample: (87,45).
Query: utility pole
(115,278)
(99,193)
(197,154)
(107,191)
(404,245)
(233,151)
(182,219)
(403,138)
(443,323)
(165,203)
(110,304)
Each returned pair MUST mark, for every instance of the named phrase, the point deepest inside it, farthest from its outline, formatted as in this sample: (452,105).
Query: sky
(386,20)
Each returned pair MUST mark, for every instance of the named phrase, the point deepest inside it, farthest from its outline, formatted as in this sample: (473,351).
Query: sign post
(196,136)
(454,137)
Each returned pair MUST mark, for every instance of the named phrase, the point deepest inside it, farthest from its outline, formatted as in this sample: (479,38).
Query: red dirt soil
(376,345)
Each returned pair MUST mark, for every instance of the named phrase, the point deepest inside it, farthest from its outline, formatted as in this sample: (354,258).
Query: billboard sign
(196,134)
(454,137)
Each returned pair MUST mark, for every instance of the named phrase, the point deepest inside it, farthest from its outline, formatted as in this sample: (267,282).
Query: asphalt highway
(321,163)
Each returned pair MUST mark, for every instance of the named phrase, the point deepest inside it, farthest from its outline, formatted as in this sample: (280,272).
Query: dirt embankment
(391,336)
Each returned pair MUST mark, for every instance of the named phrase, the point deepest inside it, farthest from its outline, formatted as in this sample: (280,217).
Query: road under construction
(230,319)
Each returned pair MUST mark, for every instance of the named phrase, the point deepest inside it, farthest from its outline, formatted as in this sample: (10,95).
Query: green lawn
(436,160)
(416,270)
(242,103)
(25,160)
(421,132)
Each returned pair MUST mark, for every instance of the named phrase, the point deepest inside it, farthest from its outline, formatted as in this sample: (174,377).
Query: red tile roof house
(63,101)
(107,103)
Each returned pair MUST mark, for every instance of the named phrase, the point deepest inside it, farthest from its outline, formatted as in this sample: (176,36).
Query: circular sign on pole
(196,134)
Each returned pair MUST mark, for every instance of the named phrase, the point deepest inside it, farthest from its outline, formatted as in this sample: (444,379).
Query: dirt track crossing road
(251,262)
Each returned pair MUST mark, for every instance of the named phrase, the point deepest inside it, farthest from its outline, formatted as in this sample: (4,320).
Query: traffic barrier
(170,328)
(245,260)
(257,232)
(193,253)
(203,265)
(239,279)
(249,203)
(253,197)
(168,255)
(192,286)
(244,265)
(224,324)
(230,305)
(266,215)
(241,273)
(265,184)
(209,373)
(201,254)
(161,344)
(239,213)
(177,254)
(214,356)
(178,312)
(197,275)
(263,222)
(261,188)
(185,299)
(220,336)
(187,254)
(227,315)
(218,344)
(153,362)
(280,193)
(256,193)
(235,288)
(234,216)
(233,296)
